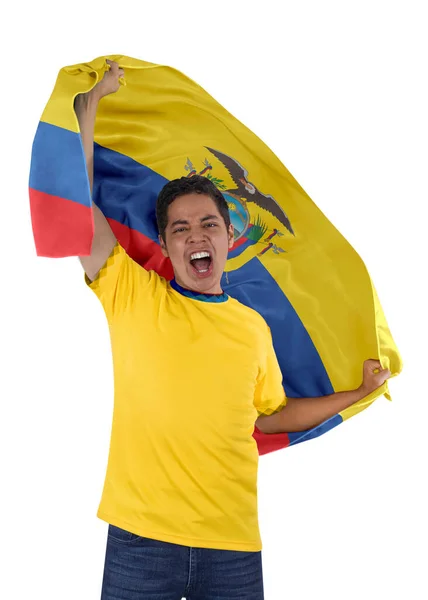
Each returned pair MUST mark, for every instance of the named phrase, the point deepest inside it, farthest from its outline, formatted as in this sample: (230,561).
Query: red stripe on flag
(61,227)
(138,245)
(271,442)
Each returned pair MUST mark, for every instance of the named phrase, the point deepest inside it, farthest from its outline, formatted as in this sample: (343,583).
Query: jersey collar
(197,295)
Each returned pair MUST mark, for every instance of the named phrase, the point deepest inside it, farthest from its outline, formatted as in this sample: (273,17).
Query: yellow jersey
(192,373)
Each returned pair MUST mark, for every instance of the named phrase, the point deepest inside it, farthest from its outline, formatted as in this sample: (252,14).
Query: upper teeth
(196,255)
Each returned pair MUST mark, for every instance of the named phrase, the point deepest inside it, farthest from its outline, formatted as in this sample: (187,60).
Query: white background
(338,91)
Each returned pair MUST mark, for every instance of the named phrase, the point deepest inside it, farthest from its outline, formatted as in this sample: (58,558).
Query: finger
(114,67)
(373,362)
(372,366)
(382,377)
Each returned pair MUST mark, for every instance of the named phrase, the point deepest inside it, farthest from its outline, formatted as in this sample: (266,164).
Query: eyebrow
(203,219)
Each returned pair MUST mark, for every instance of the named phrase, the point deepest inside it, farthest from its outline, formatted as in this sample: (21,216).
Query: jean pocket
(122,535)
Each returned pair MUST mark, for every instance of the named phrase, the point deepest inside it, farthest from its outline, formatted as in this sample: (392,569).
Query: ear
(230,235)
(163,247)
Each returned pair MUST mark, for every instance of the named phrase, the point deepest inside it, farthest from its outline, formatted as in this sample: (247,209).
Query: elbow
(270,424)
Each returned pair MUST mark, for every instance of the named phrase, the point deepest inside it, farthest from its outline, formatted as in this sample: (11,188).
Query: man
(194,371)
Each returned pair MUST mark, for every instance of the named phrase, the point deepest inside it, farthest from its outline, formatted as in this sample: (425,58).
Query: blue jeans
(139,568)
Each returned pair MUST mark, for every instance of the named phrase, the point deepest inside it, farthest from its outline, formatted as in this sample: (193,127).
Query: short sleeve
(119,281)
(269,395)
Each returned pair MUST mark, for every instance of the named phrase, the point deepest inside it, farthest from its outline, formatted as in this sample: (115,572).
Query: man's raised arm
(85,106)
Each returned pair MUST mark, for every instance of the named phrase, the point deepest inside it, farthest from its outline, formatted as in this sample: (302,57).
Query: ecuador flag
(288,262)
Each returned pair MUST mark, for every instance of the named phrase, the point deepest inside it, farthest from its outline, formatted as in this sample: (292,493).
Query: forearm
(85,106)
(305,413)
(103,240)
(301,414)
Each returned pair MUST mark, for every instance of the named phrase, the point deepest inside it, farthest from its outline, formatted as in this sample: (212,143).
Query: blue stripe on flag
(58,164)
(298,358)
(126,190)
(302,436)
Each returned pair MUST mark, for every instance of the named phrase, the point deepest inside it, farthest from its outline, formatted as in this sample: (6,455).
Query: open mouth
(201,263)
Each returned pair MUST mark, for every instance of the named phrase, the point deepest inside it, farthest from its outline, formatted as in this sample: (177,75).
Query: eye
(179,230)
(210,225)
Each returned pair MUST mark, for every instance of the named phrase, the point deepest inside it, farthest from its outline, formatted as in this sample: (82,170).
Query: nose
(196,236)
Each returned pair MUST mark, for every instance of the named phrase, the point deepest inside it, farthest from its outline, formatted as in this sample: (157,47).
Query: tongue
(201,264)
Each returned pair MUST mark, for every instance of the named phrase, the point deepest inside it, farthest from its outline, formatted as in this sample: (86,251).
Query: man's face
(197,242)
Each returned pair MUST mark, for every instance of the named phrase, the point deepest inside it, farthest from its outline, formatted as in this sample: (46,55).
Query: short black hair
(196,184)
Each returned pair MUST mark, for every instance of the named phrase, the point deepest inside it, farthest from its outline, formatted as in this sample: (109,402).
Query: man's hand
(86,105)
(373,376)
(109,84)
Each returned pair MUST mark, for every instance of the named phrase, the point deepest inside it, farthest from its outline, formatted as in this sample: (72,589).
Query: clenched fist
(109,84)
(373,376)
